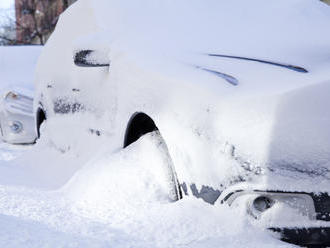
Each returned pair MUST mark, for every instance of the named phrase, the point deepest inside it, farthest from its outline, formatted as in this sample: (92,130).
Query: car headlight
(262,203)
(12,95)
(259,203)
(16,126)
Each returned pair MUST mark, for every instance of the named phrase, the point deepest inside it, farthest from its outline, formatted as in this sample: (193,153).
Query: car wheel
(174,190)
(141,125)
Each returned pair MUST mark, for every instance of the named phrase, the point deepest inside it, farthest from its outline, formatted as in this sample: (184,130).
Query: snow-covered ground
(50,197)
(109,201)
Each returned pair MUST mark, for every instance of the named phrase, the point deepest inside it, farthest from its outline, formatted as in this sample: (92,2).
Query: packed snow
(111,200)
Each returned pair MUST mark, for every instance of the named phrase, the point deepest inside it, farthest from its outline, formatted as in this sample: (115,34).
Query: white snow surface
(77,190)
(111,200)
(164,33)
(55,197)
(17,65)
(154,48)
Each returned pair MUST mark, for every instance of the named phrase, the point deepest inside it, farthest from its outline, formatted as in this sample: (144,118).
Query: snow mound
(137,174)
(114,198)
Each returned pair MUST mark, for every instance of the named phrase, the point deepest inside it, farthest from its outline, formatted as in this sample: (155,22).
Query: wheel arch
(139,124)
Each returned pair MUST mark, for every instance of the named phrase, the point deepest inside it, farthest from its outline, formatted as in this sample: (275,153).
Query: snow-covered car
(17,122)
(238,91)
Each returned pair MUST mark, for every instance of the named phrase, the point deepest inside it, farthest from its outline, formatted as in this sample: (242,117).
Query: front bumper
(315,236)
(311,207)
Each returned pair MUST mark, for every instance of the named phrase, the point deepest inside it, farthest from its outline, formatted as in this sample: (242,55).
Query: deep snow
(87,193)
(111,201)
(53,197)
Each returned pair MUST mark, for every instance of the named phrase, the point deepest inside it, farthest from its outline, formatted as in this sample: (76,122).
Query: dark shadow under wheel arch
(40,118)
(139,125)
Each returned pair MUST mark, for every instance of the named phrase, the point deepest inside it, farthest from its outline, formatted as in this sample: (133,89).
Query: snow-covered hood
(288,31)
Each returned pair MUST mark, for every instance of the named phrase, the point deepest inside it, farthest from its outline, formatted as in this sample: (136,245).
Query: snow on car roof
(278,29)
(166,32)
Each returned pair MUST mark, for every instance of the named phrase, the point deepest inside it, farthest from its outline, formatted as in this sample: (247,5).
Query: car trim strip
(287,66)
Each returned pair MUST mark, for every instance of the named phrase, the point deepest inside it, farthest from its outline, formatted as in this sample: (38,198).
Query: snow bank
(113,200)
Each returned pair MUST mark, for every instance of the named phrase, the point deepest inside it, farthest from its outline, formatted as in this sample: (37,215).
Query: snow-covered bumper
(16,118)
(296,217)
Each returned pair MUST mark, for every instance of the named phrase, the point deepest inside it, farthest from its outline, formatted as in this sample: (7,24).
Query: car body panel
(17,109)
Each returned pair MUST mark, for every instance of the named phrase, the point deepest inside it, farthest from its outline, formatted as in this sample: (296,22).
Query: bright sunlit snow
(74,188)
(7,11)
(104,198)
(109,202)
(6,4)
